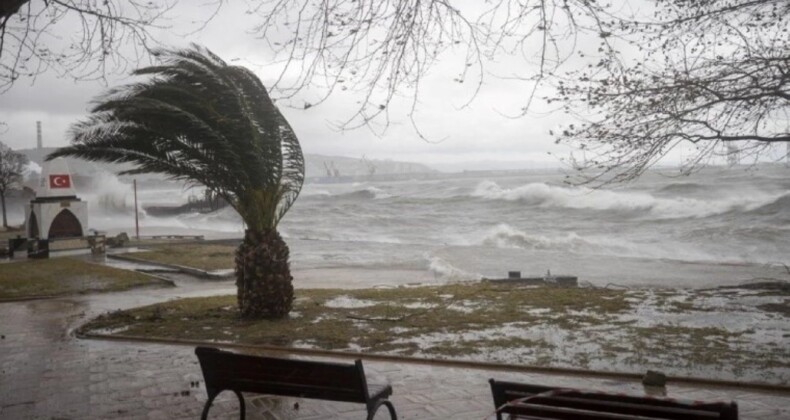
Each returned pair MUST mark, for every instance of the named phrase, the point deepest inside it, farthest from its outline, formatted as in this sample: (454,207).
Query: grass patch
(334,319)
(572,327)
(65,276)
(207,257)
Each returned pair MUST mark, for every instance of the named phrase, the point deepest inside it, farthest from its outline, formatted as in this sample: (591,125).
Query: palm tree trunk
(263,276)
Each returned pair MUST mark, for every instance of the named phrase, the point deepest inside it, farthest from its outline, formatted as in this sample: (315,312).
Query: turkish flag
(59,181)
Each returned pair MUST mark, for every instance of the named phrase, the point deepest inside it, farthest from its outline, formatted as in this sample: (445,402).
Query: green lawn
(65,276)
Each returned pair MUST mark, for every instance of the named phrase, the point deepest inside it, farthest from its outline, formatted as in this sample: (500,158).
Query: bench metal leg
(242,409)
(391,408)
(204,416)
(241,405)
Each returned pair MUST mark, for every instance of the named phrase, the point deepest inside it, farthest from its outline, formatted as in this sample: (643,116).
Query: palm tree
(201,120)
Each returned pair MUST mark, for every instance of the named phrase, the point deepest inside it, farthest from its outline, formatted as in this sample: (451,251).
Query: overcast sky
(480,132)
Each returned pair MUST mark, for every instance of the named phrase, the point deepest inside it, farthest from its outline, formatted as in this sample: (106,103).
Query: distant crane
(371,168)
(39,142)
(331,171)
(733,154)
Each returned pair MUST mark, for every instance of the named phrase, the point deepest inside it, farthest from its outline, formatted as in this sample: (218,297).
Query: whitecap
(544,195)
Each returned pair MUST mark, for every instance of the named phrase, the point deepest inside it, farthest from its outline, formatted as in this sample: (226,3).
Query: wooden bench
(524,401)
(239,373)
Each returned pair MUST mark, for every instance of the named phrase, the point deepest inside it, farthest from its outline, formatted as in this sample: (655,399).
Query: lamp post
(136,213)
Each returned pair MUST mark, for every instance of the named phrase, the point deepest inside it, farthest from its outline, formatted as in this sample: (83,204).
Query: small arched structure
(65,225)
(56,218)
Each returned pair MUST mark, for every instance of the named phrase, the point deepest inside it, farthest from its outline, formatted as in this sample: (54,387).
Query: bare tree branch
(382,50)
(36,36)
(706,75)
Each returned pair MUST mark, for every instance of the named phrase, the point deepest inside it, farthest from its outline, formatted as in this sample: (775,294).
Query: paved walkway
(48,374)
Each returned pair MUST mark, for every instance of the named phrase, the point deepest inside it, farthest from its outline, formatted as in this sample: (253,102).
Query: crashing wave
(779,207)
(505,236)
(544,195)
(684,188)
(367,193)
(446,271)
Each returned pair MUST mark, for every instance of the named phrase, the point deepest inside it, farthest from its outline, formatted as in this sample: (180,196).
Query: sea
(718,226)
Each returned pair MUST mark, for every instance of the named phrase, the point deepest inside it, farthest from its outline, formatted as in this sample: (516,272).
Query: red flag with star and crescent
(59,181)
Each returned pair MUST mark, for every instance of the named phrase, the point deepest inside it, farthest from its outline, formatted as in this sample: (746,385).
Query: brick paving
(45,373)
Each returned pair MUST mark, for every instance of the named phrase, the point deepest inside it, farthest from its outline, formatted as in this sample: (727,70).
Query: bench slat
(559,403)
(564,412)
(284,376)
(515,390)
(295,390)
(590,403)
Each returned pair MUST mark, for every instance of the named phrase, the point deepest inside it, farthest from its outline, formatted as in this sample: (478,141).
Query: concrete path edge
(184,269)
(718,383)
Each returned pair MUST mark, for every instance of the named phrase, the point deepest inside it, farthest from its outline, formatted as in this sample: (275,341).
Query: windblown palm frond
(199,119)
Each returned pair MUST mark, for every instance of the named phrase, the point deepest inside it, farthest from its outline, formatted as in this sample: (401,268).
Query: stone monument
(56,212)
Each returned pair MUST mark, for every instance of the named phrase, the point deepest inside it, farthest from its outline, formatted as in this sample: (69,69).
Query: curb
(34,297)
(184,269)
(468,364)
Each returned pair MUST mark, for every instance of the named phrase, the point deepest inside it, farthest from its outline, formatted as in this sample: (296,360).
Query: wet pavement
(46,373)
